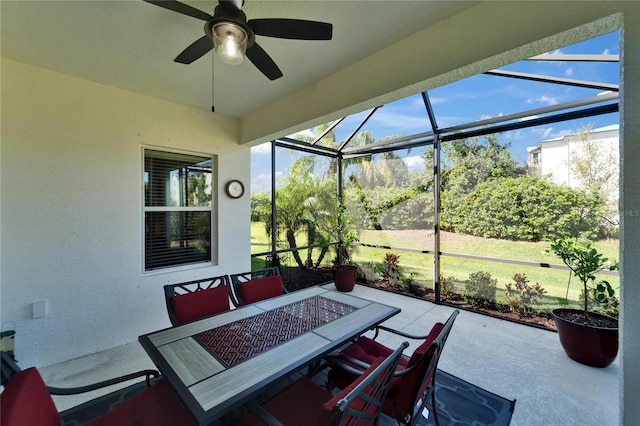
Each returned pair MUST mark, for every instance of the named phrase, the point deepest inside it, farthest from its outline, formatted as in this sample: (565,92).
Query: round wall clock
(234,188)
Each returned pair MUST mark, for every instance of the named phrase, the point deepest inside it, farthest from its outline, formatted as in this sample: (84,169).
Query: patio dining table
(218,363)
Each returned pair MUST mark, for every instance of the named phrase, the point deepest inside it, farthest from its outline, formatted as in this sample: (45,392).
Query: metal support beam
(559,80)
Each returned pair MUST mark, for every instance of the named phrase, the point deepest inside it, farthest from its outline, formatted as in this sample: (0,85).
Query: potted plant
(588,337)
(344,271)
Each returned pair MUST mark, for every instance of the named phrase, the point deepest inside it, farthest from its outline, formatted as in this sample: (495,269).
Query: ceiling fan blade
(263,62)
(195,50)
(295,29)
(182,8)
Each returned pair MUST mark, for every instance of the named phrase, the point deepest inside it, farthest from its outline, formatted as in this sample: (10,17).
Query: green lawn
(554,281)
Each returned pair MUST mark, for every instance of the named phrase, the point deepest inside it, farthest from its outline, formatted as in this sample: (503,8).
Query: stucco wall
(630,219)
(71,213)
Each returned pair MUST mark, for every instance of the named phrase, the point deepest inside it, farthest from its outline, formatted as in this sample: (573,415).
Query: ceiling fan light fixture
(229,42)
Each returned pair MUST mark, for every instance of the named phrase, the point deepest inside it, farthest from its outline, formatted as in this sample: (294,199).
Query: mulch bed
(536,319)
(297,279)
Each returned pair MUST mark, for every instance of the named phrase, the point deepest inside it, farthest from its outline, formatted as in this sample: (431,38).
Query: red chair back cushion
(25,401)
(357,404)
(399,401)
(260,289)
(200,304)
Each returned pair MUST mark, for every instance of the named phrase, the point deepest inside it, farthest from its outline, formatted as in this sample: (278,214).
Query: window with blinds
(178,209)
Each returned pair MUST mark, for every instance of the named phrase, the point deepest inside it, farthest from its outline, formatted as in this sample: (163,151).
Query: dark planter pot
(589,345)
(345,277)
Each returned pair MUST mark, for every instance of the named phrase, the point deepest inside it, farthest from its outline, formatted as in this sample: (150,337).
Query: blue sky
(478,97)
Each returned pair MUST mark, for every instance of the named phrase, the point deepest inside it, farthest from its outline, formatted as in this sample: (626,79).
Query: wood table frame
(210,390)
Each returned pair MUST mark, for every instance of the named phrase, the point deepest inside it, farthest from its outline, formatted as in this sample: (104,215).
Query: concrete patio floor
(509,359)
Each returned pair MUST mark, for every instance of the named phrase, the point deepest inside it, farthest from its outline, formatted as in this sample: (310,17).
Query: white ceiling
(131,45)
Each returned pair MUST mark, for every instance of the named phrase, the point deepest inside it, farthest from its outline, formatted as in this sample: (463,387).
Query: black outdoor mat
(462,403)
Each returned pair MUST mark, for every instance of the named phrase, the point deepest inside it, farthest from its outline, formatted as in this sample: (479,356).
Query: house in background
(580,160)
(81,102)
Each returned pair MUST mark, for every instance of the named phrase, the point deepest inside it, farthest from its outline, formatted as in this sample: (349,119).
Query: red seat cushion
(299,404)
(156,406)
(398,401)
(200,304)
(367,350)
(304,403)
(25,401)
(260,289)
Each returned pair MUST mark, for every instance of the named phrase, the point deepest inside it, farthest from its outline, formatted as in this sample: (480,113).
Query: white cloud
(565,132)
(606,52)
(414,163)
(262,182)
(392,119)
(550,133)
(308,133)
(264,148)
(544,99)
(568,72)
(544,133)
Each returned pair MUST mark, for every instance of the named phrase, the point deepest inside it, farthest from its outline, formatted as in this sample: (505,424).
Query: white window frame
(175,155)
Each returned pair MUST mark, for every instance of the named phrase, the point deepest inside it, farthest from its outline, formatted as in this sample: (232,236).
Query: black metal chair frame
(9,367)
(237,279)
(372,391)
(171,290)
(420,400)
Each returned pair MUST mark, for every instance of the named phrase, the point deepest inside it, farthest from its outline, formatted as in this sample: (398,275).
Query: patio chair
(26,400)
(415,379)
(193,300)
(254,286)
(305,403)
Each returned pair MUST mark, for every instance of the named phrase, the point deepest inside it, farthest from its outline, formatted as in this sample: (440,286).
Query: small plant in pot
(586,336)
(344,271)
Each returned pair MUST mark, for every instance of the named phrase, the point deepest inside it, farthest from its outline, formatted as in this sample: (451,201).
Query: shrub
(390,269)
(481,289)
(369,270)
(528,209)
(521,297)
(602,299)
(609,307)
(447,286)
(409,283)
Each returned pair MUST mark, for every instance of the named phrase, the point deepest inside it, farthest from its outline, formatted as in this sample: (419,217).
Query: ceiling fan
(230,34)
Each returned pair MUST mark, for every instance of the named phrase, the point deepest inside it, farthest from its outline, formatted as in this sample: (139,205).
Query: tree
(305,203)
(466,164)
(379,201)
(529,209)
(595,166)
(261,209)
(593,163)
